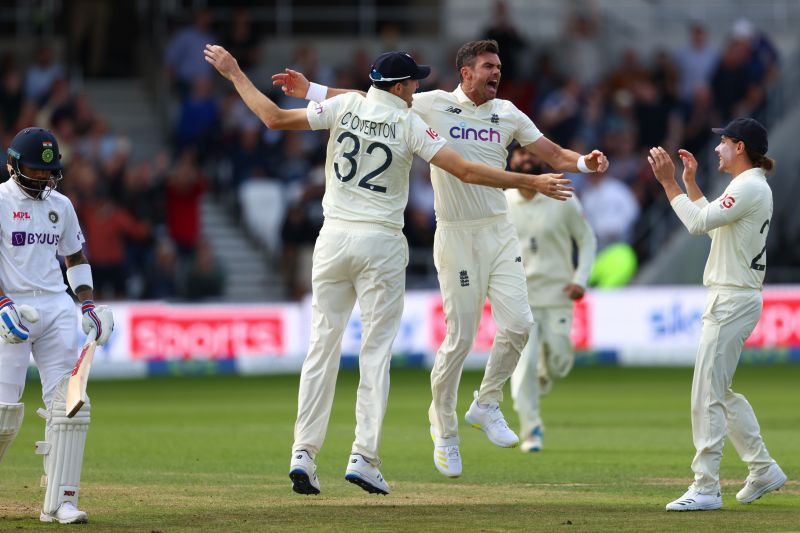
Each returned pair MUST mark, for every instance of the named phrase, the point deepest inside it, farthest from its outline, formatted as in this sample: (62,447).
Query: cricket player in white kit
(546,230)
(361,253)
(37,316)
(475,247)
(738,223)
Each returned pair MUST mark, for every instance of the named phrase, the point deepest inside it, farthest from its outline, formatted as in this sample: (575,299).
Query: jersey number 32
(350,156)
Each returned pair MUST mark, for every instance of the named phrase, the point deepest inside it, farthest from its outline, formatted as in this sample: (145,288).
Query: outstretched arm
(270,114)
(552,185)
(294,83)
(690,175)
(567,160)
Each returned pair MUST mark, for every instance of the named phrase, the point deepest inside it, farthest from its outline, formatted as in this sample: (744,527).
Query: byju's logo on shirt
(461,131)
(21,238)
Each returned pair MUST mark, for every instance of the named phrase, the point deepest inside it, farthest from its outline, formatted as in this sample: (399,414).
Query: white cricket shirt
(33,232)
(372,144)
(738,223)
(478,133)
(546,228)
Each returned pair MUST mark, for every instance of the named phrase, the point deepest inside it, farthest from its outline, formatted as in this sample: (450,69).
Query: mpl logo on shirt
(21,238)
(21,215)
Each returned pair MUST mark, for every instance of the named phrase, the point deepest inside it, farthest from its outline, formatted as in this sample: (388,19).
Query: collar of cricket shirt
(462,98)
(386,98)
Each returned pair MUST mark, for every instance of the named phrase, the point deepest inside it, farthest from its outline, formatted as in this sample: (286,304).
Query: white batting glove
(12,330)
(98,321)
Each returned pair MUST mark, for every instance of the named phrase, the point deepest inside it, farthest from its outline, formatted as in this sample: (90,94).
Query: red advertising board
(581,327)
(222,332)
(779,325)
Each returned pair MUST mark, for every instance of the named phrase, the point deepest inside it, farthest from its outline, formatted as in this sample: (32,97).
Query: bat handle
(91,336)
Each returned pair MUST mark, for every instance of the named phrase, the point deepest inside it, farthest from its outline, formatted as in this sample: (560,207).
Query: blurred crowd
(142,219)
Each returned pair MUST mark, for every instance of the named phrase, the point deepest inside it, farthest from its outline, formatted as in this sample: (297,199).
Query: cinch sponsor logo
(223,333)
(21,215)
(21,238)
(461,131)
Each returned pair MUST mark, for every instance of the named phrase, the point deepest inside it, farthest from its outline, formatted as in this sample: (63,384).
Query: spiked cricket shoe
(694,501)
(362,473)
(490,420)
(756,486)
(303,473)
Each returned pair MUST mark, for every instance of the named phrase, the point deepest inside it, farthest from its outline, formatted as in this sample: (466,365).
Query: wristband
(79,275)
(316,92)
(582,166)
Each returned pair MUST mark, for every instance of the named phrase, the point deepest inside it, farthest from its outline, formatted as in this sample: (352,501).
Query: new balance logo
(464,278)
(518,259)
(451,109)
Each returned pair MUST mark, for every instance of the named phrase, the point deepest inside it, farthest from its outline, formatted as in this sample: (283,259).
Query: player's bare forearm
(83,292)
(564,159)
(552,185)
(265,109)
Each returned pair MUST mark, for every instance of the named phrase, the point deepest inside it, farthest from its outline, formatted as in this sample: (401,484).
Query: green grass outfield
(212,454)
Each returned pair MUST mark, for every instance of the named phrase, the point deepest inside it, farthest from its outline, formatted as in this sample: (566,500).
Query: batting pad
(62,450)
(11,415)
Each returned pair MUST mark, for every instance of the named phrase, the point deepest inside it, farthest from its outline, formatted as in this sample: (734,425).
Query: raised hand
(596,161)
(292,83)
(662,165)
(689,165)
(552,185)
(222,60)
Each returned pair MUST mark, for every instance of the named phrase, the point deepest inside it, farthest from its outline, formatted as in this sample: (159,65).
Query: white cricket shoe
(303,473)
(364,474)
(490,420)
(533,442)
(756,486)
(694,501)
(446,457)
(66,513)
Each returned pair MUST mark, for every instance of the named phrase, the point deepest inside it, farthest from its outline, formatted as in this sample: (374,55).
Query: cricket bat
(76,388)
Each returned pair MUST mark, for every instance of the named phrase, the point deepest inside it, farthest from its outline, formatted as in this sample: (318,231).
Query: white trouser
(476,259)
(729,318)
(53,342)
(351,261)
(549,348)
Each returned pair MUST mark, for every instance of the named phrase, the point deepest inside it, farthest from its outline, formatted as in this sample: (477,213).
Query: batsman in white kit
(738,223)
(361,253)
(475,247)
(546,231)
(37,316)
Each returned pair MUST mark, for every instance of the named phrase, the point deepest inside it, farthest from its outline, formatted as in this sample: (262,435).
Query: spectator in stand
(583,50)
(508,39)
(731,83)
(184,53)
(198,120)
(242,40)
(106,227)
(610,208)
(205,277)
(763,61)
(42,74)
(161,281)
(185,187)
(560,112)
(696,62)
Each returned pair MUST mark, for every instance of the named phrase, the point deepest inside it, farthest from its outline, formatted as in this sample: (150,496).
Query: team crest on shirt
(727,201)
(495,119)
(53,216)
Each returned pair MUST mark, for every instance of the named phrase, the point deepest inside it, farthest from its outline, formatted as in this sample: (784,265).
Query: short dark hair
(466,54)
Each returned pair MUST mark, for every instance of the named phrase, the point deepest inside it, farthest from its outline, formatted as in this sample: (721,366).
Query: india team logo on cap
(47,152)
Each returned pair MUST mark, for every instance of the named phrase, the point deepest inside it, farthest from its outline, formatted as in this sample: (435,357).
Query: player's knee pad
(62,450)
(11,415)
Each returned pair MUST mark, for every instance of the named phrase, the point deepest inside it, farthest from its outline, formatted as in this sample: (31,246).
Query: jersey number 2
(350,156)
(754,264)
